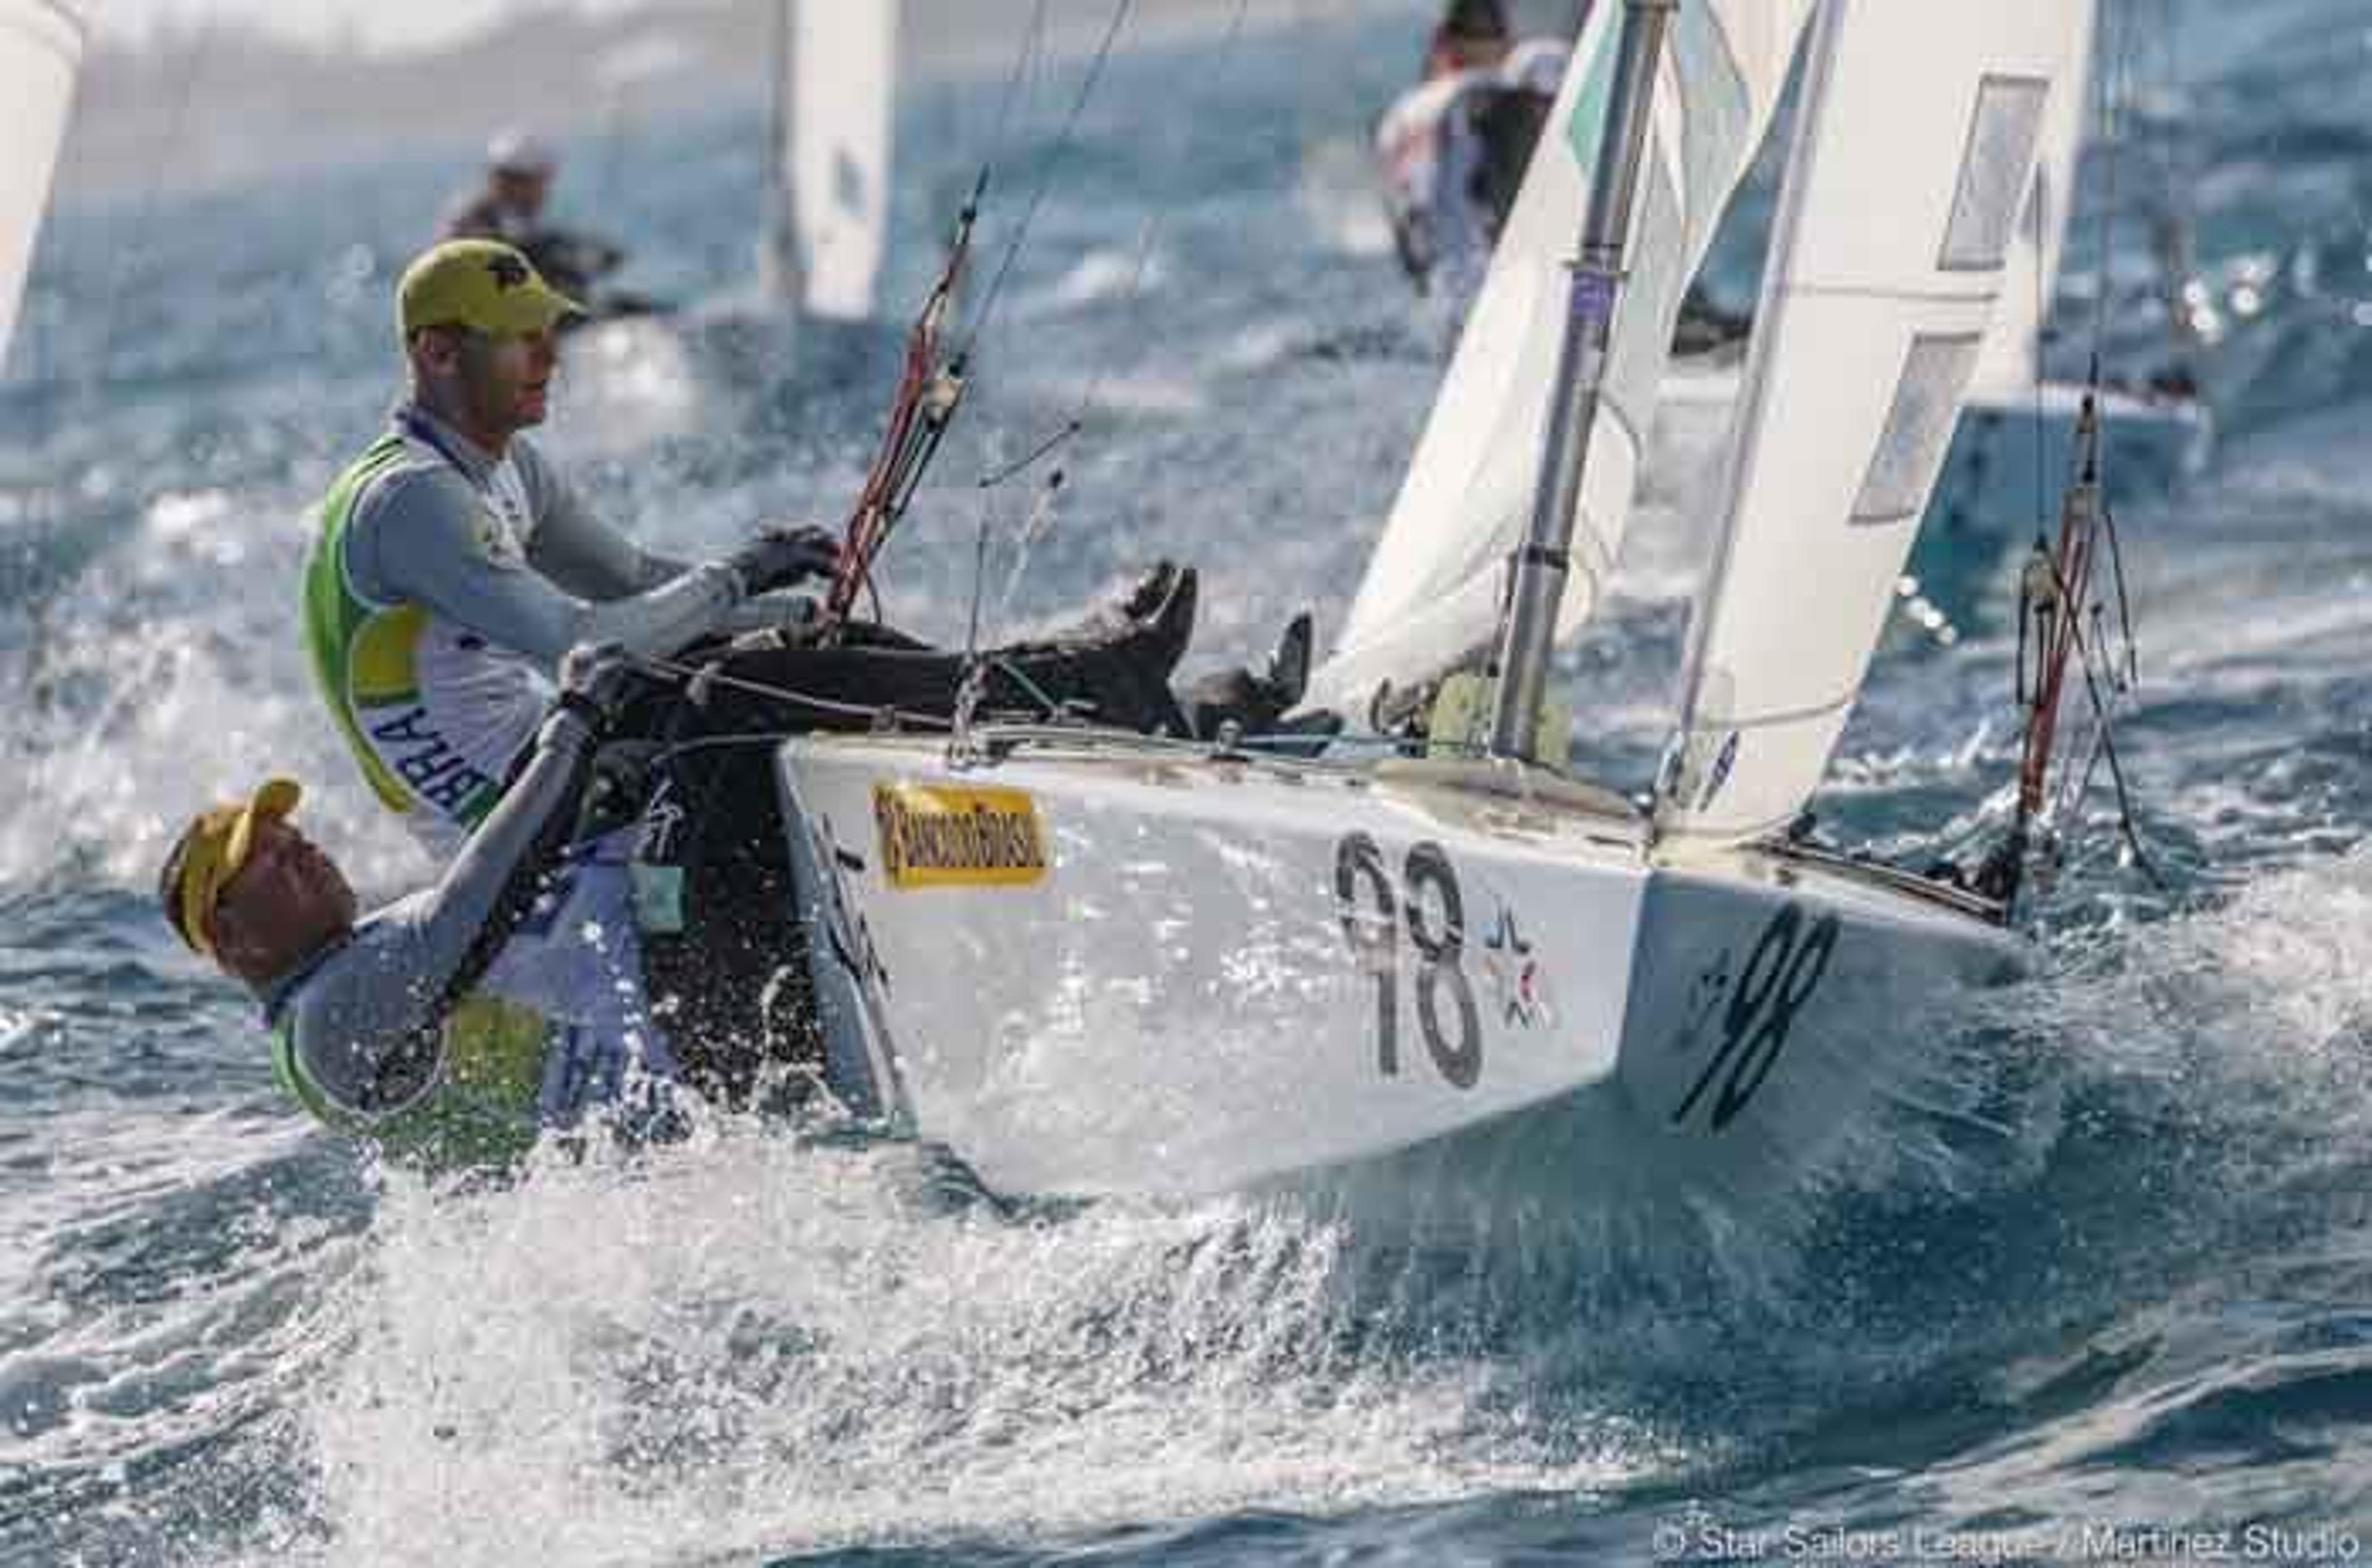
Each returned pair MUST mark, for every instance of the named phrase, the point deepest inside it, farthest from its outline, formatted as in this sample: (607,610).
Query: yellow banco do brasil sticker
(950,836)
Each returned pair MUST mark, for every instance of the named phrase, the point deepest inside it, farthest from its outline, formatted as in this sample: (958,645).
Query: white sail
(2011,363)
(40,48)
(1913,154)
(834,94)
(1431,592)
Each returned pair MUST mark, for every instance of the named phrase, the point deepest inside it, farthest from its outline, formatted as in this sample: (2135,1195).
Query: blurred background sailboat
(40,49)
(825,226)
(822,223)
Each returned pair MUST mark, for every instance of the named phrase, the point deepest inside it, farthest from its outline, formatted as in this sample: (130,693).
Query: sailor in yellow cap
(454,566)
(281,904)
(458,1025)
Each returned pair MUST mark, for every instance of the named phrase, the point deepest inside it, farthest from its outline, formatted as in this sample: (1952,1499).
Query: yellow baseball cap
(481,283)
(210,853)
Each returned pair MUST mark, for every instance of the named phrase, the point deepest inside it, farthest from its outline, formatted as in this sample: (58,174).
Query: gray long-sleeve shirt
(447,587)
(545,575)
(505,999)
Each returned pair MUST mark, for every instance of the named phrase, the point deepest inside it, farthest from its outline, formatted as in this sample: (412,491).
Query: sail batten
(40,49)
(1914,149)
(2012,360)
(1431,597)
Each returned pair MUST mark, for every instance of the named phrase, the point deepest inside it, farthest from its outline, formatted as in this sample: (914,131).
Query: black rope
(2124,601)
(2127,827)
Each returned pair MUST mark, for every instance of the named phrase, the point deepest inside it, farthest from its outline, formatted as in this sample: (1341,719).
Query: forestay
(2011,363)
(1431,597)
(840,86)
(40,48)
(1914,152)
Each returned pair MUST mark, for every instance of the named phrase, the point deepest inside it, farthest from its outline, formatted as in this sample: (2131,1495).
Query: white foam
(756,1347)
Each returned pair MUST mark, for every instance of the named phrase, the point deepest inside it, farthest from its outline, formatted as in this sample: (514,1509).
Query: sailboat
(822,232)
(2019,423)
(41,51)
(2018,430)
(823,229)
(826,218)
(1093,963)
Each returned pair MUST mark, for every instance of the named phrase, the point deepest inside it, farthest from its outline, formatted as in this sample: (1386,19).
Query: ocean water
(2115,1304)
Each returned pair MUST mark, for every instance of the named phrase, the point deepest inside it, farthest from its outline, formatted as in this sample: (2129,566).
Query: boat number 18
(1373,910)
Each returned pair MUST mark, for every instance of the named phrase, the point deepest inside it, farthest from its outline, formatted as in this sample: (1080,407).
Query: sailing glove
(595,680)
(779,557)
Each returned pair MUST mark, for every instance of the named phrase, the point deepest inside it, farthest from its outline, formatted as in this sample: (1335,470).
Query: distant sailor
(1453,149)
(458,1025)
(509,206)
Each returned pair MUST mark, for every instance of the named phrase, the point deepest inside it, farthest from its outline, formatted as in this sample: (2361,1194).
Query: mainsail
(2010,365)
(1914,151)
(40,48)
(1431,597)
(835,86)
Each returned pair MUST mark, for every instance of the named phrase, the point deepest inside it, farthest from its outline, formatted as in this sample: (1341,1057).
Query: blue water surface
(2109,1299)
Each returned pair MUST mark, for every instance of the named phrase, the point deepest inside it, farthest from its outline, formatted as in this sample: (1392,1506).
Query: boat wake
(767,1345)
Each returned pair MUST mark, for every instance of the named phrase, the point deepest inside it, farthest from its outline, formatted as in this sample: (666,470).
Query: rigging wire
(2042,194)
(1150,235)
(912,442)
(1038,521)
(2105,748)
(1040,517)
(1062,142)
(2061,587)
(699,679)
(931,388)
(1026,63)
(2116,70)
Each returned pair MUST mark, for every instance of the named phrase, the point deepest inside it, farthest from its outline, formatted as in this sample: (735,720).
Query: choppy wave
(2104,1260)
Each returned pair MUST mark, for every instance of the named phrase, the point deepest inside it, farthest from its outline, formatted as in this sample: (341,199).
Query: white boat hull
(1213,974)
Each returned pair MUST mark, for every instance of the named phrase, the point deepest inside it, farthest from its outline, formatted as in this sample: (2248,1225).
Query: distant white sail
(834,98)
(2011,363)
(1913,154)
(1432,593)
(40,49)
